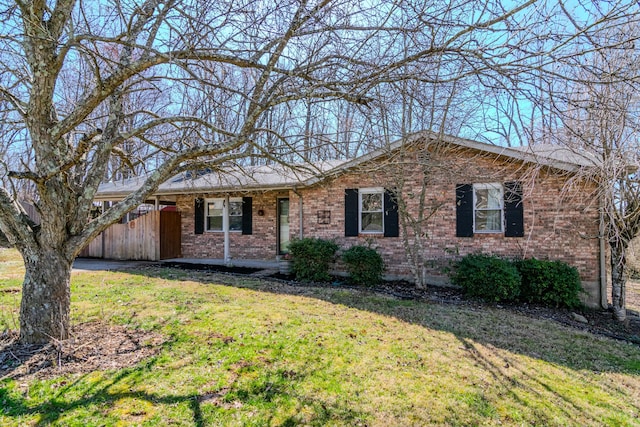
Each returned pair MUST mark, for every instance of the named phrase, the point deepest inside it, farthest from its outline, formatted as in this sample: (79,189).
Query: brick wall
(261,244)
(558,224)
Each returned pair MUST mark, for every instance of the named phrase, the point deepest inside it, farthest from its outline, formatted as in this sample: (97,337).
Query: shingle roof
(278,176)
(231,178)
(558,152)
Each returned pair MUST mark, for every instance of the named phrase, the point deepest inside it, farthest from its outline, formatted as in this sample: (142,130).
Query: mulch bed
(93,346)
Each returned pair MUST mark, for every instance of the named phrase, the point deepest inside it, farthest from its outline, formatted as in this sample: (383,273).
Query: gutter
(121,195)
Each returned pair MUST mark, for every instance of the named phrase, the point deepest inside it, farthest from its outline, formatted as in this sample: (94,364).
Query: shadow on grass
(474,327)
(101,396)
(489,325)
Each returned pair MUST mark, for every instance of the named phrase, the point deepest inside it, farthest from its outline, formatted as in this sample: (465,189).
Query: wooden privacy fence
(151,237)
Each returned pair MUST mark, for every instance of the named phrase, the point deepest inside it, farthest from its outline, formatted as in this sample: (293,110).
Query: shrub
(549,282)
(487,277)
(311,258)
(364,265)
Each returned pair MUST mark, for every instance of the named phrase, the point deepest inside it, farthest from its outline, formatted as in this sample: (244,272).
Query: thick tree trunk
(618,280)
(46,299)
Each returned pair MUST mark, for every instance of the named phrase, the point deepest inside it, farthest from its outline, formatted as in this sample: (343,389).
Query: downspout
(603,261)
(225,228)
(297,193)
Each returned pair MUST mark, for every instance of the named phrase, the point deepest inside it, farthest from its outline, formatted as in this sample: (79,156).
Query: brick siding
(558,224)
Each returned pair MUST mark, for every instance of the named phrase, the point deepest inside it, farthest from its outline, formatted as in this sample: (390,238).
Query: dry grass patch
(11,265)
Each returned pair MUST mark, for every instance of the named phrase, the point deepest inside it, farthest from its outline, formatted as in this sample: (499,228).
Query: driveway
(96,264)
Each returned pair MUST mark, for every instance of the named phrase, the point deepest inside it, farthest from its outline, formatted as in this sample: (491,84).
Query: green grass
(247,352)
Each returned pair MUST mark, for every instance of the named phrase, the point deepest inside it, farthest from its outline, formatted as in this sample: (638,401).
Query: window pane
(371,202)
(489,220)
(488,198)
(214,208)
(235,223)
(372,221)
(495,198)
(235,208)
(214,223)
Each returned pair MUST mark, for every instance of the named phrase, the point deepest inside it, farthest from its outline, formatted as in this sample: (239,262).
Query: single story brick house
(461,196)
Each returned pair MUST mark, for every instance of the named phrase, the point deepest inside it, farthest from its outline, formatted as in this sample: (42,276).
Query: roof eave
(113,196)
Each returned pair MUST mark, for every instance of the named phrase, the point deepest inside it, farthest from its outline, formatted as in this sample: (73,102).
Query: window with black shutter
(489,208)
(247,215)
(370,211)
(513,210)
(198,217)
(351,212)
(210,215)
(464,210)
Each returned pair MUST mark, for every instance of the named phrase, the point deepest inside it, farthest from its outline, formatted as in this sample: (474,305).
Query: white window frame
(225,214)
(361,193)
(495,186)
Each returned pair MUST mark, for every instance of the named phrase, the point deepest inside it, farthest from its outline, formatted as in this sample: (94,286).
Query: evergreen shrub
(311,257)
(364,265)
(488,277)
(549,282)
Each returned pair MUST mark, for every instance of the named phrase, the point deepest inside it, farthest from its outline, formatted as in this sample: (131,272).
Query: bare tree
(598,109)
(70,70)
(168,85)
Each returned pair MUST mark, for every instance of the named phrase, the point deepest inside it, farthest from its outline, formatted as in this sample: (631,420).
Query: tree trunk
(618,280)
(46,299)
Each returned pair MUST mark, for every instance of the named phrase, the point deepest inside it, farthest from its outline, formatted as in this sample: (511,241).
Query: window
(235,214)
(487,208)
(214,214)
(216,210)
(371,210)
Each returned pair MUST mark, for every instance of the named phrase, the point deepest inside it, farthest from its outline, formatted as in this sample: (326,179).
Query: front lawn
(241,351)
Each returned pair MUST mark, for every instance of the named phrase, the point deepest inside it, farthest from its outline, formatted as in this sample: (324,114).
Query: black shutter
(391,227)
(351,212)
(464,210)
(247,218)
(198,217)
(513,212)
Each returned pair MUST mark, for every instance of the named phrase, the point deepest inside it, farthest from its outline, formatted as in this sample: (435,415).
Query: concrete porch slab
(246,263)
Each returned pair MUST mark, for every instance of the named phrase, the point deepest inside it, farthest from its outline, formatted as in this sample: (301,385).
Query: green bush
(487,277)
(549,282)
(311,257)
(364,265)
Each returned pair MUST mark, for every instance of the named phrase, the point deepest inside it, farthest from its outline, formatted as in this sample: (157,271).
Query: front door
(283,226)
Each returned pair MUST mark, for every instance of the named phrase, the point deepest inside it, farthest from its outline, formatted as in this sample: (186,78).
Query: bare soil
(93,346)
